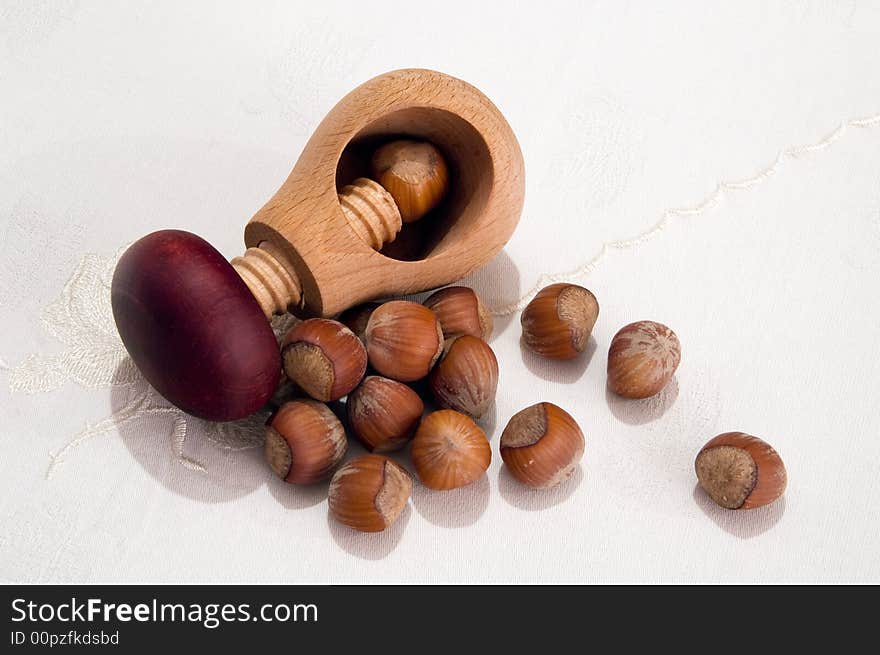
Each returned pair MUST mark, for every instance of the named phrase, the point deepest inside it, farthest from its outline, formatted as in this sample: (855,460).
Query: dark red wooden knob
(193,328)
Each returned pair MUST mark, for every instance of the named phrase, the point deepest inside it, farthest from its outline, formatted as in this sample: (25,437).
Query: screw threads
(371,212)
(274,285)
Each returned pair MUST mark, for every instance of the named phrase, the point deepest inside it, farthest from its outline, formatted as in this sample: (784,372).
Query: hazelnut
(356,318)
(542,445)
(460,311)
(414,173)
(450,450)
(304,442)
(740,471)
(558,321)
(403,340)
(642,358)
(369,493)
(383,413)
(323,358)
(466,376)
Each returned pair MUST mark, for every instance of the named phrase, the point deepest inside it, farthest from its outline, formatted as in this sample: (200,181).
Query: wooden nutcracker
(196,325)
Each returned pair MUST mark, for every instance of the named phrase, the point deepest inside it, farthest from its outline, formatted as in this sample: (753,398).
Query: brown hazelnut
(357,317)
(383,414)
(414,173)
(460,311)
(323,358)
(557,322)
(466,376)
(739,471)
(369,493)
(304,442)
(642,358)
(542,445)
(403,340)
(450,450)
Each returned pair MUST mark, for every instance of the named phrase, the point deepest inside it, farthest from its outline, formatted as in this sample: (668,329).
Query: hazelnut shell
(404,340)
(460,311)
(558,321)
(642,358)
(369,492)
(739,471)
(323,358)
(450,450)
(304,442)
(466,376)
(383,413)
(542,445)
(414,173)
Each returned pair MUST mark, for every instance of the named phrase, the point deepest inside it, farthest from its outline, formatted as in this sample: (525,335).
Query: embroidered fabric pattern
(94,357)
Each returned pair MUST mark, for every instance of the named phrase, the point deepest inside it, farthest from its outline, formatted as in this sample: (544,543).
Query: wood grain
(304,223)
(192,328)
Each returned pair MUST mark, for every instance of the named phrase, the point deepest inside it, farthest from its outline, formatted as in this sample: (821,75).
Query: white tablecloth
(715,168)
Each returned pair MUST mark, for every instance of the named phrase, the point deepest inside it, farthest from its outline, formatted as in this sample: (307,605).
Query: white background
(748,133)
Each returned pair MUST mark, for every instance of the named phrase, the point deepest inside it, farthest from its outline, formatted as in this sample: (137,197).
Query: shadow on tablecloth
(645,410)
(743,524)
(534,500)
(558,371)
